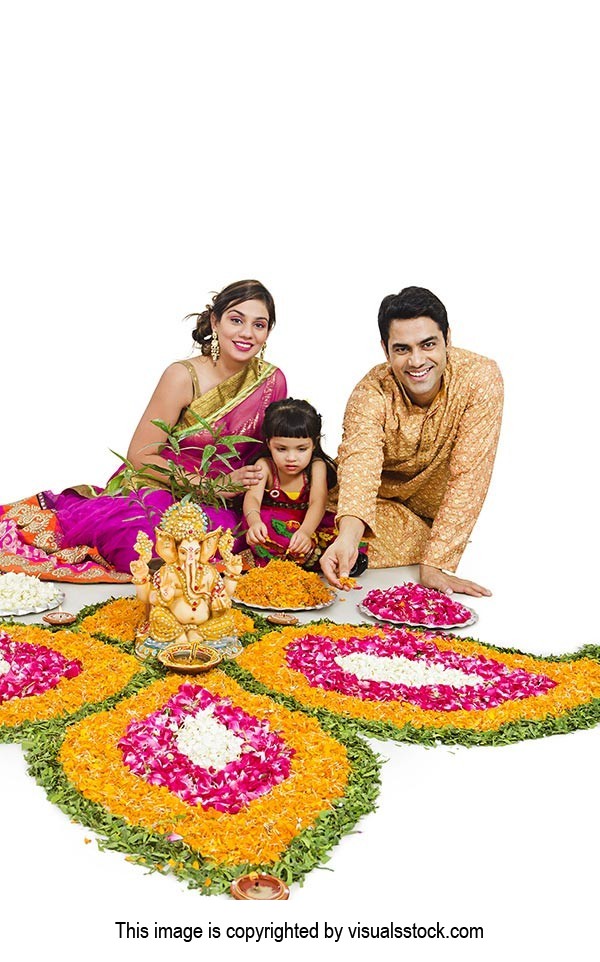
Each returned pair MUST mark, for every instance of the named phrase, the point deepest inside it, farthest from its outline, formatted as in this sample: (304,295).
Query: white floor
(502,838)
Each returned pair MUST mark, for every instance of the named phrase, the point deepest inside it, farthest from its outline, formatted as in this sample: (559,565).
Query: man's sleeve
(471,464)
(360,458)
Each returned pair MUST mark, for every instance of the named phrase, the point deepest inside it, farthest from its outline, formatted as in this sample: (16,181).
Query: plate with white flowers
(22,594)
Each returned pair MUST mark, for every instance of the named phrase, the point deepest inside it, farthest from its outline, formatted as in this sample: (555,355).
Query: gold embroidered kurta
(418,477)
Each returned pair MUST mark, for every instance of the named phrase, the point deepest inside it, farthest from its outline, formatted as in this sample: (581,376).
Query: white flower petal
(21,591)
(400,670)
(207,742)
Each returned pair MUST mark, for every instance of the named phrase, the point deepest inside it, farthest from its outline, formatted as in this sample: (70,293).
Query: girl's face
(242,330)
(291,456)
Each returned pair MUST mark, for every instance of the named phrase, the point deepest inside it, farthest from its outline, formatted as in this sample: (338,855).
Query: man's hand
(431,577)
(337,561)
(341,554)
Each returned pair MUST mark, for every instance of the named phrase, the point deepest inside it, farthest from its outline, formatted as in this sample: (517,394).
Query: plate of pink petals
(417,606)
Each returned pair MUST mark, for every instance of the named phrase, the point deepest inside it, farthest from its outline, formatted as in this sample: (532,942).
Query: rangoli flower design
(27,669)
(207,751)
(424,685)
(230,777)
(400,667)
(47,674)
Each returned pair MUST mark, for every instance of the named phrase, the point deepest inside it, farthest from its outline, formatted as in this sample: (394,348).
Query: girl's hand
(257,532)
(300,543)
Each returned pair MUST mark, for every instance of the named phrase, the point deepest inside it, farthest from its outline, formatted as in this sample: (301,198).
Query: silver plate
(4,612)
(418,624)
(324,604)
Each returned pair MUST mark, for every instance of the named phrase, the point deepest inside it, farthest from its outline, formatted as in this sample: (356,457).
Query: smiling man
(420,438)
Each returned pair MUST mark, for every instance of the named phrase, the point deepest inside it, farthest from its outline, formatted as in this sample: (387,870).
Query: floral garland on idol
(208,781)
(423,685)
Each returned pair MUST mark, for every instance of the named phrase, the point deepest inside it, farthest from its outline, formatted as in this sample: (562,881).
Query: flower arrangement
(414,604)
(120,618)
(211,781)
(207,751)
(401,667)
(54,674)
(282,584)
(505,696)
(117,619)
(27,670)
(20,593)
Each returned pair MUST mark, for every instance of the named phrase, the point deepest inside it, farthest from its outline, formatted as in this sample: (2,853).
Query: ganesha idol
(188,599)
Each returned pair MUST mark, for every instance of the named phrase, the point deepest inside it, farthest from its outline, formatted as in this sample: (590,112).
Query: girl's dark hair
(230,296)
(298,419)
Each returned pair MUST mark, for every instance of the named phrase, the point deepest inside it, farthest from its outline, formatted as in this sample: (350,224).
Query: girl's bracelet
(252,511)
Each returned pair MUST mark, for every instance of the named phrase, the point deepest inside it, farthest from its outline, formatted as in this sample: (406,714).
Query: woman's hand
(300,543)
(246,477)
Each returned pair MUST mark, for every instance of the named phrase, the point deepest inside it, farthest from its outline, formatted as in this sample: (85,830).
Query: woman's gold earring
(261,358)
(215,349)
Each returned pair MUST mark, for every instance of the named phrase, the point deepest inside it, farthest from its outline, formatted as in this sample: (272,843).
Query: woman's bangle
(252,511)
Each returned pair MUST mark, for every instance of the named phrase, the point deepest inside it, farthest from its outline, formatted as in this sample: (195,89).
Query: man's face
(417,354)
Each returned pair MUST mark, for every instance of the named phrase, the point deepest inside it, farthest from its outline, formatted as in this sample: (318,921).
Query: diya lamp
(282,618)
(59,618)
(259,886)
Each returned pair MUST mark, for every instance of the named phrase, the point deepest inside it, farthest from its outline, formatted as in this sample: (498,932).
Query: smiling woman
(81,537)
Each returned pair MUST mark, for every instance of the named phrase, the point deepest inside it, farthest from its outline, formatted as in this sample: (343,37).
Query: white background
(338,152)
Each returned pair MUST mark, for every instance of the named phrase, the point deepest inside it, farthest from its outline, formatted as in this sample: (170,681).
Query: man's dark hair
(411,302)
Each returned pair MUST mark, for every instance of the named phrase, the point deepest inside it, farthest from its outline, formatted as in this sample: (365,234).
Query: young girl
(285,512)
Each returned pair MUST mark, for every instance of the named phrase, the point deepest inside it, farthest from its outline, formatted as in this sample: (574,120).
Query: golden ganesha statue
(188,599)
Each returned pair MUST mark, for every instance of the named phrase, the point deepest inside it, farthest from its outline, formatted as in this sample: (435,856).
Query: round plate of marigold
(283,586)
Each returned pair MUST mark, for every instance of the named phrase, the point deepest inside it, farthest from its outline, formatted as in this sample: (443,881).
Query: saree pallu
(84,536)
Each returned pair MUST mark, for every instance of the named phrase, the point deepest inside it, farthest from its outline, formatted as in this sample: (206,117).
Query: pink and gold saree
(78,536)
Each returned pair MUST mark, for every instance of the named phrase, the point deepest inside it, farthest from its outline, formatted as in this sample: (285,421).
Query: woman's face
(242,330)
